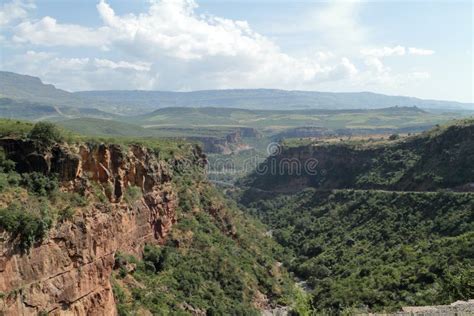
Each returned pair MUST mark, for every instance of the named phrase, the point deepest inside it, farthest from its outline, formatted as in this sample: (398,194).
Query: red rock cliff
(69,271)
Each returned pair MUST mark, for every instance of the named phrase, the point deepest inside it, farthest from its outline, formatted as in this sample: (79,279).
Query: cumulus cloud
(83,73)
(338,25)
(47,32)
(14,11)
(171,41)
(375,64)
(172,47)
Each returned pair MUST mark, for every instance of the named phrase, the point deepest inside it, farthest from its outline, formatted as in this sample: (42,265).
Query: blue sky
(416,48)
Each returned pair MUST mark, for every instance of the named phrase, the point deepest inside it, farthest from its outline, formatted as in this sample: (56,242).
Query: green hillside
(278,120)
(99,127)
(216,259)
(26,110)
(440,158)
(374,249)
(32,89)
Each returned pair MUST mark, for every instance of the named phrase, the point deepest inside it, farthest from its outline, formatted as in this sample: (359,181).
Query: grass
(14,128)
(269,119)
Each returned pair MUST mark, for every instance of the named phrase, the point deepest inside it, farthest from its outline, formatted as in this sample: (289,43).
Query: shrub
(14,128)
(132,193)
(394,137)
(25,225)
(66,214)
(39,184)
(98,192)
(46,133)
(153,256)
(76,199)
(6,165)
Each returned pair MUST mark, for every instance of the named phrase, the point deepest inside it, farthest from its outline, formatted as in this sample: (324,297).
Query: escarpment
(438,159)
(68,272)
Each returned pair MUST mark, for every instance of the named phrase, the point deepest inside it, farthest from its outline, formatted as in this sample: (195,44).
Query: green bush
(46,133)
(25,225)
(8,176)
(99,193)
(66,215)
(39,184)
(14,128)
(132,194)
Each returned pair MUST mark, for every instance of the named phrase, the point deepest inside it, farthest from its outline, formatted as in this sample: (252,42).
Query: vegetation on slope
(30,203)
(373,250)
(278,120)
(21,109)
(216,259)
(376,249)
(440,158)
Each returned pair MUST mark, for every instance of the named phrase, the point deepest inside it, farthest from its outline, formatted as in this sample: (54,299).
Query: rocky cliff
(233,142)
(437,159)
(69,271)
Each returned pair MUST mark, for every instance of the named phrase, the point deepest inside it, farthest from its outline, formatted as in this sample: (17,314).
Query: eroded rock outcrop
(69,271)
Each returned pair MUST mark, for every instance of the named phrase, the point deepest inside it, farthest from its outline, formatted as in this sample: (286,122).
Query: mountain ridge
(305,99)
(30,88)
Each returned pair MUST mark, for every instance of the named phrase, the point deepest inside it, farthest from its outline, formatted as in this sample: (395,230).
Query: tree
(394,137)
(47,133)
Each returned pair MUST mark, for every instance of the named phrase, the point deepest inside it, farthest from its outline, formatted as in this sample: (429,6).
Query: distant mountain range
(22,88)
(269,99)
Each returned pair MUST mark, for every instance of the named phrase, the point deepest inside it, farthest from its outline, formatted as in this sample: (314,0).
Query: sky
(417,48)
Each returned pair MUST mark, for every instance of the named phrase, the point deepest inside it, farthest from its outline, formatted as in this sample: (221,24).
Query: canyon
(69,271)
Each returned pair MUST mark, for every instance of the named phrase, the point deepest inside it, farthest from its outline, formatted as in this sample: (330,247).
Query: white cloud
(83,73)
(375,64)
(395,51)
(171,28)
(47,32)
(11,12)
(338,26)
(170,42)
(384,51)
(105,63)
(172,47)
(420,51)
(419,75)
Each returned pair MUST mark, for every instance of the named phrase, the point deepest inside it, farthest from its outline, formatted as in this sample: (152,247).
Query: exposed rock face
(249,132)
(69,272)
(213,145)
(228,144)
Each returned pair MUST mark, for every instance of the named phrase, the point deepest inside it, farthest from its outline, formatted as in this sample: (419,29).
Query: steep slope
(72,215)
(375,250)
(20,109)
(32,89)
(372,250)
(440,158)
